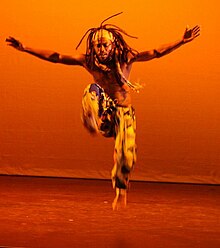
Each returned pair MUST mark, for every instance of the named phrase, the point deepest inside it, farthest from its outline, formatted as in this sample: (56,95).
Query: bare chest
(110,78)
(112,85)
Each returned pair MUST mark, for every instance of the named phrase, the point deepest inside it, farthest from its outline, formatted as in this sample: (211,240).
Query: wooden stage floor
(64,213)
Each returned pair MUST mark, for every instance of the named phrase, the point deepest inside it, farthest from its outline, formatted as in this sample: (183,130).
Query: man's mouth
(103,55)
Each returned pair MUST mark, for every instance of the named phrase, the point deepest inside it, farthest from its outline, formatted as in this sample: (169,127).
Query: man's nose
(102,48)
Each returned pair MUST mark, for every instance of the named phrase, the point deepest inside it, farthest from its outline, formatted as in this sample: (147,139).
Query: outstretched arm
(45,54)
(189,35)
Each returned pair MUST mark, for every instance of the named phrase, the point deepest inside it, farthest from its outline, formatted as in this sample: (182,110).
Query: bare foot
(120,200)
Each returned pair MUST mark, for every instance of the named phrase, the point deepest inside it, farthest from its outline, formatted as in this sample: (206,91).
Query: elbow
(54,58)
(158,54)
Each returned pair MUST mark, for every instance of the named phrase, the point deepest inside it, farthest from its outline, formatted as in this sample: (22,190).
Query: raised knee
(96,88)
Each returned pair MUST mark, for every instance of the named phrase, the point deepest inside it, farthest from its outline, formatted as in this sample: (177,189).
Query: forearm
(43,54)
(157,53)
(55,57)
(46,54)
(166,49)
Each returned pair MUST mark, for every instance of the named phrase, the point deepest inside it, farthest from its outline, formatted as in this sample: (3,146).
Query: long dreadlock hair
(120,53)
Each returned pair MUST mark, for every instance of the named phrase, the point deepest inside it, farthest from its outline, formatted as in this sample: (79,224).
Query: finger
(8,38)
(196,35)
(187,27)
(12,38)
(196,28)
(196,31)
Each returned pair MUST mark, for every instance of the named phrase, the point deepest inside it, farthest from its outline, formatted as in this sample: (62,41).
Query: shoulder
(132,57)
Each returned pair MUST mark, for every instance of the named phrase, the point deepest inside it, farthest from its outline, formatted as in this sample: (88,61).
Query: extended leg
(124,154)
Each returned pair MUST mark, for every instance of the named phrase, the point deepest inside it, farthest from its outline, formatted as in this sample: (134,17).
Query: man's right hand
(14,43)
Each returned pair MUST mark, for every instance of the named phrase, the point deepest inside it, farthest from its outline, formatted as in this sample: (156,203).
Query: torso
(109,82)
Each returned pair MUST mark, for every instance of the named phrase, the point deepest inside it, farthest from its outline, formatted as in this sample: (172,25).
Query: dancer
(106,103)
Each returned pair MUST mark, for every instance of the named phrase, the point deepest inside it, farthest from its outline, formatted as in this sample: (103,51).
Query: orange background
(178,112)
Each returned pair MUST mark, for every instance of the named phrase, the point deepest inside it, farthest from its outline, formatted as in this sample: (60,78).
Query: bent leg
(98,111)
(90,108)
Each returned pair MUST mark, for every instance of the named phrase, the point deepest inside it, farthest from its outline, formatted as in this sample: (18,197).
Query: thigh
(90,109)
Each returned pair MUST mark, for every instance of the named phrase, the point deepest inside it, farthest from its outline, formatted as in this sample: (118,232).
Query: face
(103,48)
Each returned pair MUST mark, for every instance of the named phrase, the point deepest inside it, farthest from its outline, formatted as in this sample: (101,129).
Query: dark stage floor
(53,212)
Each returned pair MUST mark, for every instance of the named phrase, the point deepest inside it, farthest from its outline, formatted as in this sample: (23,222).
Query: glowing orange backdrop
(178,112)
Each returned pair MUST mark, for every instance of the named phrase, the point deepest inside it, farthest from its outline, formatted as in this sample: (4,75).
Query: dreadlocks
(119,55)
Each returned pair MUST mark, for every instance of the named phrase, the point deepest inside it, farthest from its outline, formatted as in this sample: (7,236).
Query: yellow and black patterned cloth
(101,115)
